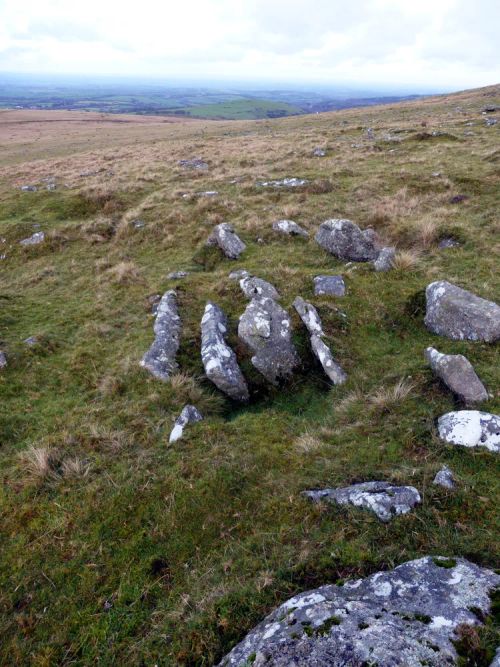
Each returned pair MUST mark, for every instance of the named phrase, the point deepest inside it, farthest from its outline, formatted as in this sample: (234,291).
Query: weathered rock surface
(3,359)
(405,617)
(330,285)
(448,242)
(382,498)
(266,328)
(227,240)
(177,275)
(444,478)
(189,415)
(347,241)
(324,355)
(461,315)
(385,259)
(34,239)
(256,287)
(319,152)
(458,375)
(193,163)
(160,358)
(239,274)
(471,428)
(283,183)
(219,360)
(309,315)
(290,228)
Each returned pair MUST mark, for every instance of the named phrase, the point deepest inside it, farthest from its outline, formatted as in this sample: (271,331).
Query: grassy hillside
(120,549)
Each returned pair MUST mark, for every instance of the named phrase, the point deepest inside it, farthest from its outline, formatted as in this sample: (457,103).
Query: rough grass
(120,549)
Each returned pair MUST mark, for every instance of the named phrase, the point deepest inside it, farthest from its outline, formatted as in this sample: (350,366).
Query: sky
(417,44)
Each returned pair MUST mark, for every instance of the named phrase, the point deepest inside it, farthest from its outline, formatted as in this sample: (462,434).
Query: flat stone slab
(34,239)
(344,239)
(329,285)
(290,228)
(458,374)
(461,315)
(470,428)
(253,287)
(159,360)
(227,240)
(189,415)
(444,478)
(382,498)
(407,617)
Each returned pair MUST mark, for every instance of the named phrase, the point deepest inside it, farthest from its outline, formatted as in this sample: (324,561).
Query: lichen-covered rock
(219,360)
(227,240)
(159,360)
(256,287)
(471,428)
(290,228)
(329,285)
(382,498)
(408,616)
(34,239)
(444,478)
(324,355)
(385,259)
(283,183)
(189,415)
(3,359)
(347,241)
(309,315)
(458,375)
(266,328)
(458,314)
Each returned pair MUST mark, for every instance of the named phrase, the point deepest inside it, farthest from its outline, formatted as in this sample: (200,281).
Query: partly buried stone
(461,315)
(471,428)
(329,285)
(309,315)
(324,355)
(189,415)
(239,274)
(284,183)
(444,478)
(34,239)
(177,275)
(290,228)
(385,259)
(266,328)
(193,163)
(3,359)
(458,375)
(256,287)
(219,360)
(160,358)
(407,616)
(227,240)
(319,152)
(347,241)
(382,498)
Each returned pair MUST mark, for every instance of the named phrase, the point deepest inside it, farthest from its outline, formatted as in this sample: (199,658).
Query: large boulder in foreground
(227,240)
(219,360)
(458,374)
(266,328)
(470,428)
(159,360)
(408,616)
(347,241)
(461,315)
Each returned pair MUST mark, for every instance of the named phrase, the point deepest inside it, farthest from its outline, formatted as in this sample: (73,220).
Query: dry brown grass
(406,260)
(306,443)
(385,399)
(124,273)
(40,464)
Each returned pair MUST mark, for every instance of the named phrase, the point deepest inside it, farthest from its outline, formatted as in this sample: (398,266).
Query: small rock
(444,478)
(227,240)
(385,500)
(50,187)
(490,109)
(290,228)
(471,428)
(448,242)
(159,360)
(436,174)
(189,415)
(324,355)
(309,315)
(31,341)
(138,224)
(283,183)
(29,188)
(385,259)
(370,134)
(193,163)
(256,287)
(319,152)
(347,241)
(458,375)
(177,275)
(490,122)
(329,285)
(239,274)
(458,199)
(34,239)
(3,359)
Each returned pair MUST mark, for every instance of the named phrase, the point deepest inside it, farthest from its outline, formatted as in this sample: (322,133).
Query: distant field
(243,109)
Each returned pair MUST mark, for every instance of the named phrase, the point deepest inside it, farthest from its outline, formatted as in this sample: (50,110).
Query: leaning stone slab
(159,360)
(324,355)
(227,240)
(444,478)
(385,259)
(34,239)
(219,360)
(461,315)
(471,428)
(329,285)
(309,315)
(266,328)
(189,415)
(290,228)
(407,617)
(458,375)
(256,287)
(347,241)
(382,498)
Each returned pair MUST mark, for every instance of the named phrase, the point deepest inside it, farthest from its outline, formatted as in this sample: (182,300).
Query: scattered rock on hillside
(177,275)
(3,359)
(309,315)
(193,163)
(347,241)
(444,478)
(329,285)
(266,328)
(227,240)
(319,152)
(471,428)
(290,228)
(461,315)
(34,239)
(490,122)
(448,242)
(138,224)
(28,188)
(382,498)
(385,259)
(159,360)
(283,183)
(458,375)
(189,415)
(31,341)
(238,275)
(406,616)
(256,287)
(324,355)
(219,360)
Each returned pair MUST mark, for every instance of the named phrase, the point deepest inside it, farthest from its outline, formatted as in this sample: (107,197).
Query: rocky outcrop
(266,328)
(457,373)
(329,285)
(385,259)
(290,228)
(159,360)
(347,241)
(458,314)
(34,239)
(219,360)
(189,415)
(470,428)
(382,498)
(227,240)
(256,287)
(407,616)
(444,478)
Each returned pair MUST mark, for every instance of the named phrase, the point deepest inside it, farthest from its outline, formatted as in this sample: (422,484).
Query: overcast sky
(421,44)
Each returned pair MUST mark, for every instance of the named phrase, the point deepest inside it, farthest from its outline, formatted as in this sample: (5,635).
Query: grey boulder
(460,315)
(385,259)
(227,240)
(347,241)
(189,415)
(444,478)
(219,360)
(329,285)
(382,498)
(34,239)
(256,287)
(407,616)
(159,360)
(290,228)
(458,375)
(471,428)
